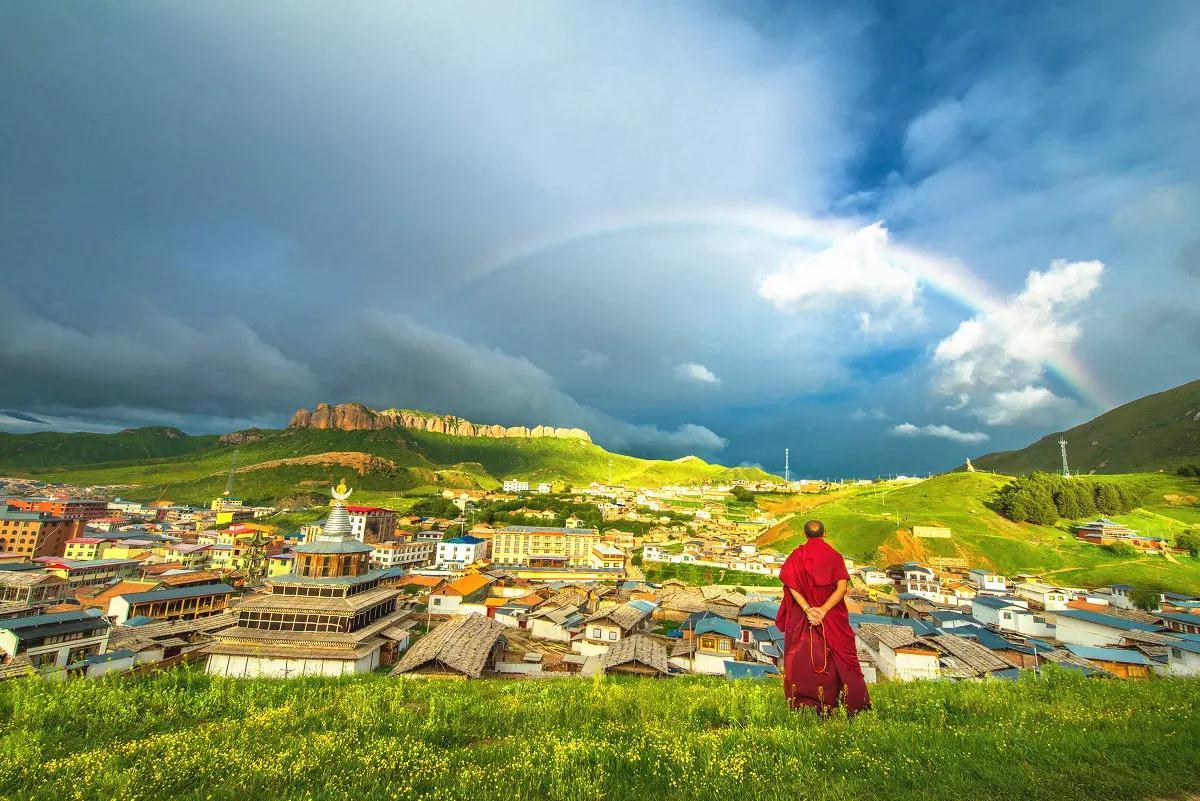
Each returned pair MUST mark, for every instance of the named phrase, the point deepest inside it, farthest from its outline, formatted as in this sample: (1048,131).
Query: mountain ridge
(359,417)
(1156,432)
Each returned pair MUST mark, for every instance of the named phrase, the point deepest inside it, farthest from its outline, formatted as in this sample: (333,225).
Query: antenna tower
(232,469)
(787,471)
(1062,445)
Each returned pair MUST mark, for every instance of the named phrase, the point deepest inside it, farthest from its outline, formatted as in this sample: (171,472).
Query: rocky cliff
(356,417)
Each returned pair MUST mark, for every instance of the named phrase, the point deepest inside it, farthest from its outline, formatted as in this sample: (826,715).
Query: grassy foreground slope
(282,463)
(1160,431)
(182,735)
(874,524)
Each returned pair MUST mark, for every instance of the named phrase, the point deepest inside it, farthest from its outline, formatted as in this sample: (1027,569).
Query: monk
(820,661)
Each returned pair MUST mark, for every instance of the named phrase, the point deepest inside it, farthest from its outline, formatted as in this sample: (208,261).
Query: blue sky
(887,235)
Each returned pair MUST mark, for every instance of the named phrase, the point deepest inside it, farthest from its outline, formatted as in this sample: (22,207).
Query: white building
(51,642)
(403,553)
(1049,598)
(873,576)
(898,652)
(458,552)
(544,488)
(987,580)
(998,612)
(1082,627)
(513,485)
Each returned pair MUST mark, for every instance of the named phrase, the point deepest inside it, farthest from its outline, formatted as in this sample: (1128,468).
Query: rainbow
(948,277)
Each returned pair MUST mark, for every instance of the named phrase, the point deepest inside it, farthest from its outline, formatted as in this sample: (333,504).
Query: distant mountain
(275,464)
(1157,432)
(357,417)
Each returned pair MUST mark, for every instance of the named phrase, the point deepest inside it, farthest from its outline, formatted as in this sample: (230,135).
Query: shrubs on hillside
(1043,498)
(1189,470)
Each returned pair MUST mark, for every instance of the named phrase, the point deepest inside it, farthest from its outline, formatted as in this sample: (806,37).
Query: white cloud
(858,415)
(698,373)
(941,431)
(1028,404)
(592,360)
(858,267)
(1008,346)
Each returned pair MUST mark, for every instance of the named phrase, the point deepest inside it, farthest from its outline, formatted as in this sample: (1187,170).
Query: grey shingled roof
(639,648)
(461,644)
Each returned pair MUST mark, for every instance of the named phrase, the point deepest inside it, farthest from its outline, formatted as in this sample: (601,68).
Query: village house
(471,588)
(50,642)
(898,653)
(466,646)
(1184,623)
(638,655)
(558,623)
(1085,627)
(873,576)
(987,580)
(35,534)
(171,603)
(1121,662)
(1047,597)
(24,588)
(91,573)
(610,625)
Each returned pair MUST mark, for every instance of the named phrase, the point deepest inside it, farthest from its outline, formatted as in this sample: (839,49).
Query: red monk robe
(820,662)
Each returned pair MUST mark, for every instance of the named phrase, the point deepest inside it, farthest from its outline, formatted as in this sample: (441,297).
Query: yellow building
(538,546)
(279,564)
(86,549)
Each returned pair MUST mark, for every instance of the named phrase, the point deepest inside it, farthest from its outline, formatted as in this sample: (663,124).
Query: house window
(723,645)
(708,642)
(612,635)
(597,634)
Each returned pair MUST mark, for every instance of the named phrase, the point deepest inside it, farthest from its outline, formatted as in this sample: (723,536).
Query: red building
(66,508)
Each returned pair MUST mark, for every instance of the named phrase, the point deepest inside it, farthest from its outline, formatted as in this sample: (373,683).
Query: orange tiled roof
(100,600)
(420,581)
(467,584)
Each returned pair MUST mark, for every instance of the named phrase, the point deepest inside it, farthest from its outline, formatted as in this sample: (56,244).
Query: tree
(1085,499)
(1146,598)
(1189,541)
(1189,470)
(1108,500)
(1043,512)
(1067,503)
(742,494)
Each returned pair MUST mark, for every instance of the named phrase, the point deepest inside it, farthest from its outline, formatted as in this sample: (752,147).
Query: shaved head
(814,528)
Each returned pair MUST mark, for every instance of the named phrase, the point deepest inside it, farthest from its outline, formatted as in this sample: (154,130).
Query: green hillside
(873,525)
(287,462)
(185,736)
(53,449)
(1158,432)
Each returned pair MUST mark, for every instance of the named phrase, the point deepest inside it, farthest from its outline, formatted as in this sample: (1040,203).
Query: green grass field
(866,525)
(152,464)
(182,735)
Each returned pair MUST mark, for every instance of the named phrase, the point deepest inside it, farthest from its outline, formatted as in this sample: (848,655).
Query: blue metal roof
(1180,617)
(995,602)
(748,670)
(766,609)
(173,593)
(719,625)
(1122,655)
(1106,620)
(465,539)
(645,606)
